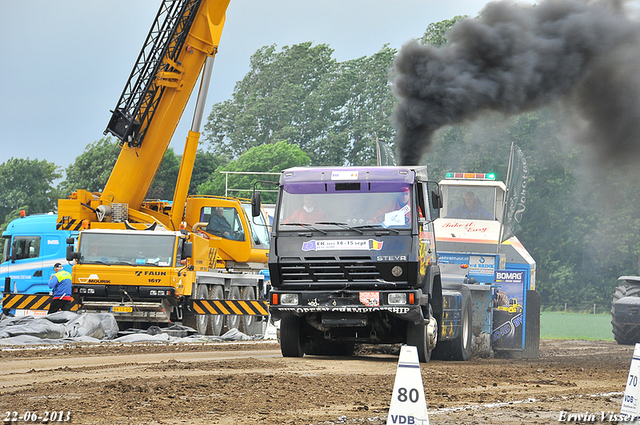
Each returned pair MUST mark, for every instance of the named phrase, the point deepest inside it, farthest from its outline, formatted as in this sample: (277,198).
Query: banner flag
(517,195)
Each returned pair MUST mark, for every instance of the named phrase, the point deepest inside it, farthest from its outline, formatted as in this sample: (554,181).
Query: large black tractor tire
(625,334)
(290,340)
(460,348)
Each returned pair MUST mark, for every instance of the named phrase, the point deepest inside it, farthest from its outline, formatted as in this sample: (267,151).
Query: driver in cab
(218,225)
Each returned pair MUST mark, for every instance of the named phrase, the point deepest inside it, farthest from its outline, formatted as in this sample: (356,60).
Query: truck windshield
(472,202)
(390,208)
(259,227)
(127,249)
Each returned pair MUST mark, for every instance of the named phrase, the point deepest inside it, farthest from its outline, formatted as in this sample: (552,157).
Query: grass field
(561,325)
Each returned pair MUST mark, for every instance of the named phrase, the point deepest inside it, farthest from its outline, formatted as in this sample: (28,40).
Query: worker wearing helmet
(60,282)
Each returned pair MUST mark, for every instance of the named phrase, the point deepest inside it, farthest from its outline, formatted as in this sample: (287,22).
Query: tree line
(298,106)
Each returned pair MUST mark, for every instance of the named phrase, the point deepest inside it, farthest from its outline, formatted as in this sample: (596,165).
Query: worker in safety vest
(60,282)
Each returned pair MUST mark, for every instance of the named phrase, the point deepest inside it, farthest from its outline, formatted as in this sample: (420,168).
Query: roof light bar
(475,176)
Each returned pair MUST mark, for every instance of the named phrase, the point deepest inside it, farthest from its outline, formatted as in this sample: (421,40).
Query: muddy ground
(251,383)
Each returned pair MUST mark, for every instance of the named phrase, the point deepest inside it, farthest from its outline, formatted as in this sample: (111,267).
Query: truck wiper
(375,226)
(305,225)
(104,263)
(343,225)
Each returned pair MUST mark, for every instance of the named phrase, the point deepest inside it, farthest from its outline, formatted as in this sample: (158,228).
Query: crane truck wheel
(625,334)
(290,341)
(233,321)
(198,322)
(252,325)
(216,321)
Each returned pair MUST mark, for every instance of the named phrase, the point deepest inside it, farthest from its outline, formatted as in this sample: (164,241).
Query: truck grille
(328,269)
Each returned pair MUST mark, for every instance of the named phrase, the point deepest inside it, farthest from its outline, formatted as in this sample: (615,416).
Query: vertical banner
(517,194)
(386,156)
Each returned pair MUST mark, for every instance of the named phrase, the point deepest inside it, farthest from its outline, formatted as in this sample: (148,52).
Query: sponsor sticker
(344,175)
(371,299)
(340,244)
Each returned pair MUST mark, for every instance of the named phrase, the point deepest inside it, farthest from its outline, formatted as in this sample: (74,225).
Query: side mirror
(187,250)
(71,254)
(14,253)
(436,199)
(255,204)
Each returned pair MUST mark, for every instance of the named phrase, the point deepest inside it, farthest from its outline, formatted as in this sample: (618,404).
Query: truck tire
(198,322)
(251,325)
(625,334)
(417,336)
(233,321)
(290,341)
(460,348)
(216,321)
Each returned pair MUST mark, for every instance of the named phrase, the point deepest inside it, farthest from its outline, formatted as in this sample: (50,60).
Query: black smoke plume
(516,58)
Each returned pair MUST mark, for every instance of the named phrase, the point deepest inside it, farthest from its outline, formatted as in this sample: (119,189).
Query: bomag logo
(150,273)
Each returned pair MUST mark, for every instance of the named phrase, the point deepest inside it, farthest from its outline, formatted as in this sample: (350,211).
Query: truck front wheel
(290,342)
(418,335)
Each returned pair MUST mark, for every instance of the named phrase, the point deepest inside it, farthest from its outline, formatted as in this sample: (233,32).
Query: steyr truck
(353,260)
(151,261)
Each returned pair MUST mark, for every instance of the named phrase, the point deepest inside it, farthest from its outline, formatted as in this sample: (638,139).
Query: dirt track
(233,383)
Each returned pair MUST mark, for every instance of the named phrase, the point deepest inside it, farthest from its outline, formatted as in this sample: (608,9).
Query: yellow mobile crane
(160,261)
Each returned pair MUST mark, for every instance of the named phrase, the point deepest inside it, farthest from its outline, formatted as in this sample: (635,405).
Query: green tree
(92,168)
(27,184)
(435,34)
(333,111)
(164,183)
(271,158)
(205,165)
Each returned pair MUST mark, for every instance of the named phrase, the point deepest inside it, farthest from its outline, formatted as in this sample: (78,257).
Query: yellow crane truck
(150,261)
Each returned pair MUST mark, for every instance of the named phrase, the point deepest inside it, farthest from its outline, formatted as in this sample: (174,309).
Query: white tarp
(66,327)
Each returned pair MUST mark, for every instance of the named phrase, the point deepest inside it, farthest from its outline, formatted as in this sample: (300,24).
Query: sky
(66,62)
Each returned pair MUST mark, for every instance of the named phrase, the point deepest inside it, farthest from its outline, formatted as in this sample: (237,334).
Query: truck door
(25,266)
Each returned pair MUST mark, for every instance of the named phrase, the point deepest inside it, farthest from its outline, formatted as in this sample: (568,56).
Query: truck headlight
(288,299)
(397,298)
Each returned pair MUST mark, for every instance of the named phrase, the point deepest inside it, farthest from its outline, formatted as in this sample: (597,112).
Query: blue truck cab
(31,246)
